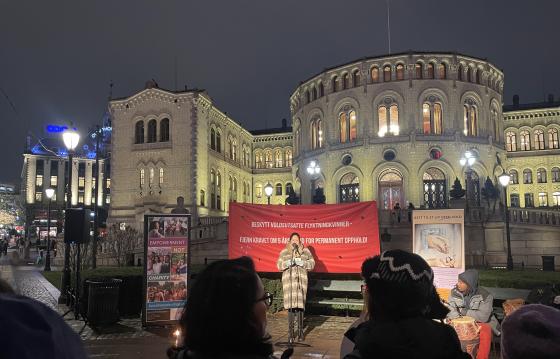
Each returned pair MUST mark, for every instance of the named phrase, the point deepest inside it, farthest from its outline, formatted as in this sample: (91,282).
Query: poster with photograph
(438,237)
(166,258)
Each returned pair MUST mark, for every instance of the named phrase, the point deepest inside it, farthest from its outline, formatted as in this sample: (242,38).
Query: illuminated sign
(56,128)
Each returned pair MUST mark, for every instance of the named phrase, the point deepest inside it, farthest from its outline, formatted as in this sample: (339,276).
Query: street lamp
(313,170)
(468,160)
(50,193)
(71,139)
(504,179)
(268,191)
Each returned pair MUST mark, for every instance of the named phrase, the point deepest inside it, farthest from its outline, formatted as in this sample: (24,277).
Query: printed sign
(438,237)
(339,236)
(166,263)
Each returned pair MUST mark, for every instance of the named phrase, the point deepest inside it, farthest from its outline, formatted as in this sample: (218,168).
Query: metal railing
(538,216)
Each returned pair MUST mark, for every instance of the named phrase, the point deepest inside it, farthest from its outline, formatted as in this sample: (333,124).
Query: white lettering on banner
(301,225)
(318,240)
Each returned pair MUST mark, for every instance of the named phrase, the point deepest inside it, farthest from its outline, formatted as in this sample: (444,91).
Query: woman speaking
(294,261)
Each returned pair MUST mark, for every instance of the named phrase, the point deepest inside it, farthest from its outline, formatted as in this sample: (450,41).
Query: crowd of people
(403,315)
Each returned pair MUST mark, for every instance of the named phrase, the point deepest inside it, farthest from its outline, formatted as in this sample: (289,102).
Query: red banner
(340,236)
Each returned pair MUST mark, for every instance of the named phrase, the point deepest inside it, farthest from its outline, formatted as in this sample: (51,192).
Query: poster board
(166,266)
(339,236)
(439,237)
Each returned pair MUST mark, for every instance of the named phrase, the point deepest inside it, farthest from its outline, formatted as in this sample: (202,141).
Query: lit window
(387,73)
(258,190)
(525,140)
(347,119)
(539,139)
(527,176)
(38,196)
(288,157)
(374,74)
(108,198)
(54,181)
(511,141)
(553,138)
(81,182)
(316,133)
(268,159)
(432,118)
(470,118)
(108,183)
(388,116)
(160,176)
(513,177)
(151,178)
(278,159)
(400,72)
(541,175)
(556,199)
(259,160)
(555,172)
(543,199)
(39,181)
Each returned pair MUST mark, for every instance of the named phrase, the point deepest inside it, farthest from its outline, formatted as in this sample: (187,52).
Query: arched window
(539,139)
(553,138)
(297,141)
(495,124)
(347,119)
(160,176)
(388,116)
(431,71)
(469,74)
(400,72)
(470,118)
(314,93)
(316,133)
(321,90)
(213,139)
(212,189)
(334,84)
(152,131)
(513,177)
(202,198)
(419,70)
(442,69)
(268,163)
(279,189)
(527,176)
(258,190)
(259,159)
(390,188)
(345,81)
(151,178)
(142,177)
(555,172)
(432,117)
(232,142)
(307,97)
(374,74)
(218,191)
(356,78)
(387,73)
(288,154)
(525,140)
(460,73)
(139,132)
(511,141)
(218,141)
(278,159)
(435,188)
(349,188)
(289,188)
(541,175)
(164,130)
(478,76)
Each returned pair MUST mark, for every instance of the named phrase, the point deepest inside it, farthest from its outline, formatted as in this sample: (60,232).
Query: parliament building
(391,129)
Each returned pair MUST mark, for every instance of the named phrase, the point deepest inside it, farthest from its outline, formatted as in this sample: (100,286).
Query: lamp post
(71,139)
(50,193)
(468,160)
(504,179)
(268,191)
(313,170)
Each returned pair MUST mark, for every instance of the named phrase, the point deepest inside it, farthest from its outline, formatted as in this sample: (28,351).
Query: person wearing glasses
(294,261)
(225,314)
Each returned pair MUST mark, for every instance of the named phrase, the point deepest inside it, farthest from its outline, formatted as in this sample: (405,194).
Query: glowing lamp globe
(504,179)
(71,139)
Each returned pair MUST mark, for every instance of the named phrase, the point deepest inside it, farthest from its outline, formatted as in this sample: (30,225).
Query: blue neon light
(91,154)
(56,128)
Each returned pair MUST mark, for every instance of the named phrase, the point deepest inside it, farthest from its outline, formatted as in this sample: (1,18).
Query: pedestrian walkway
(128,339)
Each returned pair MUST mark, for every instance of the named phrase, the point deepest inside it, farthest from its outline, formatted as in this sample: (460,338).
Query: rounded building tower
(394,128)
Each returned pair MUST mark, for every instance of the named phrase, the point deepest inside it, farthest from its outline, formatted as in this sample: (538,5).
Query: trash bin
(548,263)
(102,300)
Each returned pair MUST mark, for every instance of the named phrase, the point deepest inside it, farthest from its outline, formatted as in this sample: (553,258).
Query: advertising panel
(166,263)
(438,237)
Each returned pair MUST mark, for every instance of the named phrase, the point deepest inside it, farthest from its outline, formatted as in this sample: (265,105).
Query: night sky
(57,58)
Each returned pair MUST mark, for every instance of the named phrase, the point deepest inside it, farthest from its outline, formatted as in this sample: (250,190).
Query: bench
(321,288)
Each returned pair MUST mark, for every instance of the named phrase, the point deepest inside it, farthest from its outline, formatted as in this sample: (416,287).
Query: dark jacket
(476,303)
(412,338)
(189,354)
